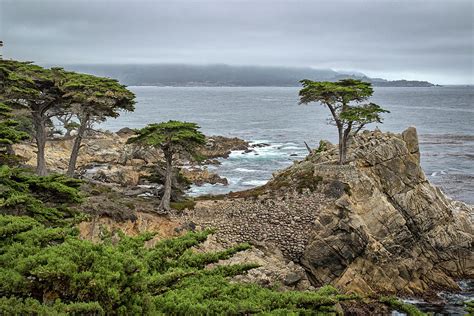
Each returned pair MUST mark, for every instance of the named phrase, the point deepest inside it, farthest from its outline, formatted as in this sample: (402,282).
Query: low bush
(49,270)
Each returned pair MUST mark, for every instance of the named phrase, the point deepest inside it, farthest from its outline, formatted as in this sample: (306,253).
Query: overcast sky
(413,39)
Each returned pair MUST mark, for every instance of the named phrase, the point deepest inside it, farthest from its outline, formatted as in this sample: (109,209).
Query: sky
(412,39)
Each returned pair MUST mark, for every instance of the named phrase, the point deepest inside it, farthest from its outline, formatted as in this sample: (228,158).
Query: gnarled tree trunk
(345,144)
(342,146)
(77,146)
(40,136)
(165,200)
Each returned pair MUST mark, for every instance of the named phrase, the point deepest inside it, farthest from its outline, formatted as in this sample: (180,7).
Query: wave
(255,182)
(292,148)
(246,170)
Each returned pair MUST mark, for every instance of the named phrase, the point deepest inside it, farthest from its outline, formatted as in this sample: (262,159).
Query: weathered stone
(373,225)
(291,279)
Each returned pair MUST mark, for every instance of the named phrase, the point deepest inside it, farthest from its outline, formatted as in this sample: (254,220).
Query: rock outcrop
(106,157)
(373,225)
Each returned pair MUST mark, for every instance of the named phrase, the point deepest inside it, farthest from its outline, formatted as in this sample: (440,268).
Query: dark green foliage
(9,134)
(469,307)
(24,123)
(43,198)
(340,92)
(175,136)
(90,99)
(398,305)
(49,270)
(322,147)
(365,114)
(29,306)
(97,96)
(23,80)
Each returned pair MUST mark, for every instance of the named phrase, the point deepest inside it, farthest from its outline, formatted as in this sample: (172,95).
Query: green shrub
(43,198)
(49,270)
(400,306)
(469,307)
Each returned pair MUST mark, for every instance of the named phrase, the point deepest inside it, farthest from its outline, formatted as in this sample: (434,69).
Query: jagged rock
(219,146)
(292,278)
(125,132)
(123,175)
(200,176)
(373,225)
(259,145)
(392,231)
(273,271)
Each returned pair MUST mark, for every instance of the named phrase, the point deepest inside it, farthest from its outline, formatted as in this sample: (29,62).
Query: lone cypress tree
(345,102)
(170,137)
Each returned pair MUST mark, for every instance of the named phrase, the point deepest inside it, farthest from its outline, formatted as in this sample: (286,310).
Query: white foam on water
(255,182)
(205,189)
(234,180)
(292,148)
(246,170)
(257,153)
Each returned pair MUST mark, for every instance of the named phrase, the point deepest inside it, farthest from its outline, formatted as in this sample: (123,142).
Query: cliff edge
(375,225)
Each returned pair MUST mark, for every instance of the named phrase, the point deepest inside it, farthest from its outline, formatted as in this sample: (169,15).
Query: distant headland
(227,75)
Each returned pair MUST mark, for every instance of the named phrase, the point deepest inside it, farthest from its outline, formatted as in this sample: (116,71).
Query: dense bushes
(49,269)
(43,198)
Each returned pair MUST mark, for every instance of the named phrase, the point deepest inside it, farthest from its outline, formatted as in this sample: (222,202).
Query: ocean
(443,116)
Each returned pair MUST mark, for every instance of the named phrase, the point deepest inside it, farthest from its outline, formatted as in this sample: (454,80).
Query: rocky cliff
(373,225)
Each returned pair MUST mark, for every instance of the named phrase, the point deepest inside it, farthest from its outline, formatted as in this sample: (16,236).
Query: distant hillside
(225,75)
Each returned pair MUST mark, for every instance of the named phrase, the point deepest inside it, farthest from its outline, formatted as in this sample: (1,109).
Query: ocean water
(443,116)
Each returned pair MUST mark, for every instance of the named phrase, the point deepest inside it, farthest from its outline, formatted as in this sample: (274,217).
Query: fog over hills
(224,75)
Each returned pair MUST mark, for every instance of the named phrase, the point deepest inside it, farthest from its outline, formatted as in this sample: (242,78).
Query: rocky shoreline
(106,158)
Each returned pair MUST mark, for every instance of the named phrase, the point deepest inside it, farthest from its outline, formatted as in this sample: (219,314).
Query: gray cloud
(414,39)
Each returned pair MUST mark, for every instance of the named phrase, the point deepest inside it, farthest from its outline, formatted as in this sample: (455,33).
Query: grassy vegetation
(182,205)
(400,306)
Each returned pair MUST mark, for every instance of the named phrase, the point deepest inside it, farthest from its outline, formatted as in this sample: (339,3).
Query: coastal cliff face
(391,230)
(373,225)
